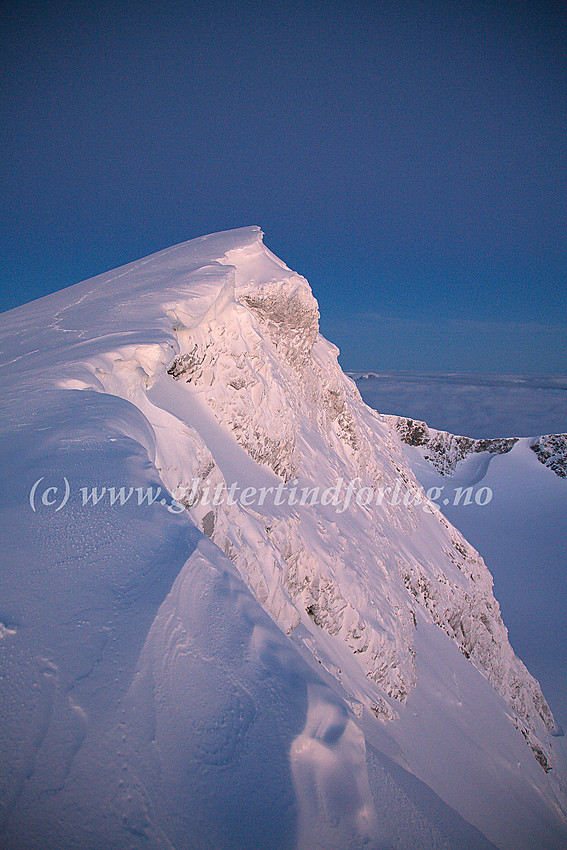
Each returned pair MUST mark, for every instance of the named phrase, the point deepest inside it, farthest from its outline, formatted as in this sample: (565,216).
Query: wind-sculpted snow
(231,686)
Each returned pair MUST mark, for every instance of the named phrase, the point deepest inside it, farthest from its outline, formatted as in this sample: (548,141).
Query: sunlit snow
(265,673)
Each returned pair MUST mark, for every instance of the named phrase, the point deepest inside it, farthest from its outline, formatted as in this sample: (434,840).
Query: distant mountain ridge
(445,450)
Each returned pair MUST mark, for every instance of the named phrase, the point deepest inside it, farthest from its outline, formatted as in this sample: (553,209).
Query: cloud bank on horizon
(472,405)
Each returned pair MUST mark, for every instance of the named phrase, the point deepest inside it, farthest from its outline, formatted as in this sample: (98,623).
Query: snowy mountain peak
(207,362)
(244,329)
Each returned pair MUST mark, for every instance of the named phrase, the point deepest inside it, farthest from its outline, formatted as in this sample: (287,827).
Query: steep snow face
(227,361)
(377,606)
(259,369)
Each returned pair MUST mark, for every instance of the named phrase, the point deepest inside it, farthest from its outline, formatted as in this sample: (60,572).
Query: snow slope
(278,669)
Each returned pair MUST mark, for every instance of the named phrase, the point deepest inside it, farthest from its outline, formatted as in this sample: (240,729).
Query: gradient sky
(408,158)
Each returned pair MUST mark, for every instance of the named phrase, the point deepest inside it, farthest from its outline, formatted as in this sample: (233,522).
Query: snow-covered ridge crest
(216,343)
(243,343)
(445,451)
(250,350)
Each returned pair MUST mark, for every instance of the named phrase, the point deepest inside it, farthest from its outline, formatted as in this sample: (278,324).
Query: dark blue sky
(409,159)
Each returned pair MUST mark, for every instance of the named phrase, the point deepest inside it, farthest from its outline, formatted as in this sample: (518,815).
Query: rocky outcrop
(443,450)
(551,450)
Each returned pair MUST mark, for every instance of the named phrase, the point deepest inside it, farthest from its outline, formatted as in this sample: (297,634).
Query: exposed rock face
(551,450)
